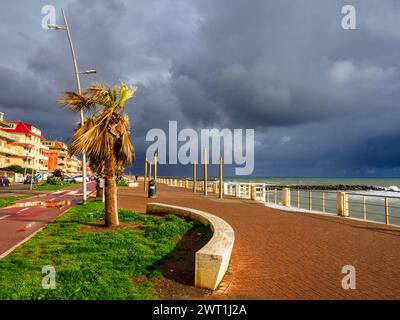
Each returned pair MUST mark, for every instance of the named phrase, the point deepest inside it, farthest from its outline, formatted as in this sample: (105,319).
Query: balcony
(11,152)
(28,155)
(24,144)
(9,136)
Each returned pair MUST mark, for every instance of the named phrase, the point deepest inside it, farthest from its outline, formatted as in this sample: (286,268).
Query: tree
(58,173)
(19,169)
(104,136)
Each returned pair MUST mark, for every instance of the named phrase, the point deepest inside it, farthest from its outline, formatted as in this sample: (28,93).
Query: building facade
(24,145)
(59,158)
(58,152)
(7,151)
(74,166)
(29,149)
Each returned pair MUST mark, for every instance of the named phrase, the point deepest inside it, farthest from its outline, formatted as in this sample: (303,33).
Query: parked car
(28,180)
(69,180)
(80,179)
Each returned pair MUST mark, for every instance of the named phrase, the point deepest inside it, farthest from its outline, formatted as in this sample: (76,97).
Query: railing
(314,200)
(9,136)
(28,155)
(368,207)
(10,151)
(379,208)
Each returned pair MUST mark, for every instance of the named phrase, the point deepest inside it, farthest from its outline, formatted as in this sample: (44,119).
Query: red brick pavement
(285,255)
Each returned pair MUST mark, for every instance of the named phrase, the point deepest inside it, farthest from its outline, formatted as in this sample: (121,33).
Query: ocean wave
(393,188)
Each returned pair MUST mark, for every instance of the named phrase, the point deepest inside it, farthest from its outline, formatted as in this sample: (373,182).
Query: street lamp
(32,174)
(56,27)
(78,84)
(88,72)
(25,164)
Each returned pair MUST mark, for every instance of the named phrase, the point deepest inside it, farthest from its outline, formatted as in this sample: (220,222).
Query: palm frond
(76,102)
(125,93)
(99,94)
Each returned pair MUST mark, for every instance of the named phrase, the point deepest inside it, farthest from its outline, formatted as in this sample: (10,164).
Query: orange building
(59,158)
(53,160)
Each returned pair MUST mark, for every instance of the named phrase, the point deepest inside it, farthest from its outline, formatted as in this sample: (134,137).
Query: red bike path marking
(20,223)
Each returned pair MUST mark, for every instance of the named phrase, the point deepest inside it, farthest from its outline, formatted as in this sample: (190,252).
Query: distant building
(24,146)
(74,166)
(58,153)
(6,150)
(59,158)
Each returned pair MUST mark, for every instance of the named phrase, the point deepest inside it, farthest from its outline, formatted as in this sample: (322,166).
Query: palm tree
(104,136)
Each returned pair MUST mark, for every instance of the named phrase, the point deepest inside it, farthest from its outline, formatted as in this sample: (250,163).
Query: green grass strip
(52,187)
(91,264)
(6,201)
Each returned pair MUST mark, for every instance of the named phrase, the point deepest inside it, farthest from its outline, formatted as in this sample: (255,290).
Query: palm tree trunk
(111,208)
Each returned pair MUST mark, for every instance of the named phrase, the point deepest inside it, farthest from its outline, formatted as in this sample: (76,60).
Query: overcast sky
(323,101)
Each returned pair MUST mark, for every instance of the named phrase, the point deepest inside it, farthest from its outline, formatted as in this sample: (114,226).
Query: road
(21,221)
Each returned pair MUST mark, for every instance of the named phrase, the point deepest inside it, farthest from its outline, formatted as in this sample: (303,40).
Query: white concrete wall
(212,261)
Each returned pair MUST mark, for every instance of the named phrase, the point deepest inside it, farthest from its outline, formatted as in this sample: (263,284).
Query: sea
(391,185)
(373,208)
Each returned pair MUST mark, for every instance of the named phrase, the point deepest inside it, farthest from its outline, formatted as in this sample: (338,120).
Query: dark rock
(338,187)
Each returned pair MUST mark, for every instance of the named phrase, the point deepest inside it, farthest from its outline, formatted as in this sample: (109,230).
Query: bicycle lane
(21,221)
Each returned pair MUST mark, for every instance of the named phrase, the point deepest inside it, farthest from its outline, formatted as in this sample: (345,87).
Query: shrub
(121,183)
(57,181)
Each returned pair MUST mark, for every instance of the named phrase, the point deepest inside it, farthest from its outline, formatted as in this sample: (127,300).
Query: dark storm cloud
(267,64)
(323,100)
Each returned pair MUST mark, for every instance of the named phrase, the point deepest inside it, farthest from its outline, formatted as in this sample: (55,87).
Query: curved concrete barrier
(212,260)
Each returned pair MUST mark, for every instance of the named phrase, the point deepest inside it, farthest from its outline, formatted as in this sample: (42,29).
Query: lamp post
(155,167)
(78,84)
(32,174)
(25,164)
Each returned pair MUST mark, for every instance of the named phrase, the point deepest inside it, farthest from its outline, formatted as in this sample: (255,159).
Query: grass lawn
(122,183)
(92,262)
(6,201)
(52,187)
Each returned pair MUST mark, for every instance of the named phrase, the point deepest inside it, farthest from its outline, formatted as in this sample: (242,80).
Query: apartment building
(6,150)
(58,153)
(59,158)
(27,150)
(24,145)
(74,166)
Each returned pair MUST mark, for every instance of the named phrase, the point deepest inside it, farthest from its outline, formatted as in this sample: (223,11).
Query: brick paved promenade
(283,255)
